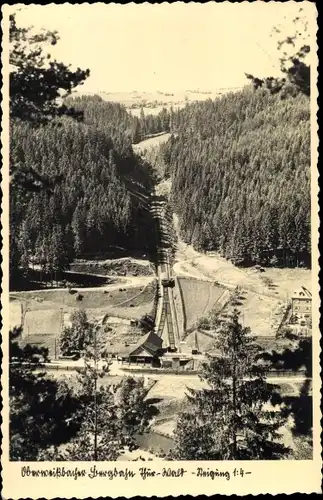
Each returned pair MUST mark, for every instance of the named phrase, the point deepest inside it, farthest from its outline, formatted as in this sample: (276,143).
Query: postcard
(160,225)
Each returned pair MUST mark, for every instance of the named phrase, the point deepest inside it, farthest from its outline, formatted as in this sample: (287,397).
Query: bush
(146,323)
(203,323)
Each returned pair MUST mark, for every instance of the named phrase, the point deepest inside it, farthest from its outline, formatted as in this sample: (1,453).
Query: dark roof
(302,292)
(150,342)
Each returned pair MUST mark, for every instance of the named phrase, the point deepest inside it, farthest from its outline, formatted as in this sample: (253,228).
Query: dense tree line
(100,201)
(37,85)
(241,175)
(41,408)
(117,122)
(153,124)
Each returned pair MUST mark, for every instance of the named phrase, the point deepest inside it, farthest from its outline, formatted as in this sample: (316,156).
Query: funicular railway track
(167,319)
(166,316)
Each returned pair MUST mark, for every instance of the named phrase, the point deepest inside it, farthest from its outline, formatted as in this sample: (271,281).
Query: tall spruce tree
(38,83)
(231,419)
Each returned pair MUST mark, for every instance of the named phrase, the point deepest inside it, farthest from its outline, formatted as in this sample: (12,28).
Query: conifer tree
(228,420)
(294,50)
(37,86)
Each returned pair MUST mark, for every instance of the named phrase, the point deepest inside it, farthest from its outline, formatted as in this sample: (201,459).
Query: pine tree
(136,133)
(143,123)
(98,435)
(228,420)
(37,84)
(35,81)
(59,256)
(294,63)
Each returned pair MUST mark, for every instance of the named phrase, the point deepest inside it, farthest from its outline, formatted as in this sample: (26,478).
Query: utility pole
(60,331)
(196,343)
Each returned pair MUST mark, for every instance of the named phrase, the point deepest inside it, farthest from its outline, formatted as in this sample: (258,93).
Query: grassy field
(289,280)
(44,309)
(14,314)
(153,102)
(285,281)
(258,312)
(199,298)
(93,299)
(265,293)
(42,321)
(152,142)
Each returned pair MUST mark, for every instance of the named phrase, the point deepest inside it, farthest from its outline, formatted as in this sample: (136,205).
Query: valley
(203,282)
(160,275)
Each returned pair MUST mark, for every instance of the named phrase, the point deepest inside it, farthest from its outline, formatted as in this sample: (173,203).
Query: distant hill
(153,102)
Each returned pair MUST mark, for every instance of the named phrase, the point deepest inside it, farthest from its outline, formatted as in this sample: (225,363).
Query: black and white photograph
(162,256)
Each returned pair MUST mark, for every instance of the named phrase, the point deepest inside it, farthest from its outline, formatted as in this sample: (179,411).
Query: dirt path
(116,369)
(151,142)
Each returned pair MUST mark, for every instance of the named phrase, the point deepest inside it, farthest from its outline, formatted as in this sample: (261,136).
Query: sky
(165,47)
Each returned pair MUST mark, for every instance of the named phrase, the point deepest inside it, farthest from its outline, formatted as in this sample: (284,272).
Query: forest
(240,169)
(100,198)
(239,165)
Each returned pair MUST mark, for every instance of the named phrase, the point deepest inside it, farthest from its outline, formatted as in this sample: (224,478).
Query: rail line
(167,318)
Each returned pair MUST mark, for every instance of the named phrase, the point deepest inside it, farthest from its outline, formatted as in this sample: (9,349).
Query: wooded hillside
(99,200)
(241,175)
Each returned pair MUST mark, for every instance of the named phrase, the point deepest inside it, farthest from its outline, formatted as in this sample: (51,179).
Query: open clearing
(262,305)
(46,311)
(14,314)
(152,142)
(199,297)
(190,262)
(259,313)
(213,267)
(154,102)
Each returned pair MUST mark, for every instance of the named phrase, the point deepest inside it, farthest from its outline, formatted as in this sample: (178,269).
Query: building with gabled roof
(147,348)
(302,302)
